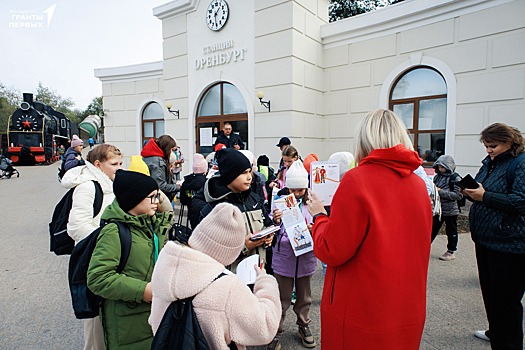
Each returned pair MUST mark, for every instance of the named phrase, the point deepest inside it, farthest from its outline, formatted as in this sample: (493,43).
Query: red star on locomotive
(26,124)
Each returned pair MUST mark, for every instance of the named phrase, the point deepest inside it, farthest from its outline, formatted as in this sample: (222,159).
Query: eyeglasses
(154,198)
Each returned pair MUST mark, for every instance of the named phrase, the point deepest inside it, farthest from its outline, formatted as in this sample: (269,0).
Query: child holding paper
(289,268)
(227,311)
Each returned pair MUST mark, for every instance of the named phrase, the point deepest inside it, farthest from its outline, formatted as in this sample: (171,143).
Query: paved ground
(35,310)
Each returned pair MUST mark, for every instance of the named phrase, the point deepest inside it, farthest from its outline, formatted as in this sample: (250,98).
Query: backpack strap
(125,241)
(125,244)
(511,171)
(99,196)
(455,177)
(181,214)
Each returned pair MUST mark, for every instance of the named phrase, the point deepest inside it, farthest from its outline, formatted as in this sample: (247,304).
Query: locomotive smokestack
(28,97)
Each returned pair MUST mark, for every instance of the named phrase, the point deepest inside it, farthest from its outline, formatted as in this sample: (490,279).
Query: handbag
(179,232)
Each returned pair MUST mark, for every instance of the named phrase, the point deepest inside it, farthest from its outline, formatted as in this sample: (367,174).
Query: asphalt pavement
(35,306)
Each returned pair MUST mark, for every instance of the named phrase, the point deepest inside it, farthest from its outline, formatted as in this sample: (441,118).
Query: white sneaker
(481,334)
(447,256)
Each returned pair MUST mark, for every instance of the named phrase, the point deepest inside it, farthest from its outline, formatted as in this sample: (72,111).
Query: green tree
(54,99)
(95,107)
(9,101)
(340,9)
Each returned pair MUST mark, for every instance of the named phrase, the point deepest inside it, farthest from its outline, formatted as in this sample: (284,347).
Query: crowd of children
(230,196)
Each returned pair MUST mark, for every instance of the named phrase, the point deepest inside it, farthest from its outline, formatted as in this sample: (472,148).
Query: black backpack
(60,242)
(61,171)
(180,329)
(85,303)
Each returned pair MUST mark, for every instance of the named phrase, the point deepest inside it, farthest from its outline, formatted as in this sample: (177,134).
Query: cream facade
(322,78)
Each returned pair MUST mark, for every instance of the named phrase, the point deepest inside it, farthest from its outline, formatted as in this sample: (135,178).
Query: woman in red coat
(376,243)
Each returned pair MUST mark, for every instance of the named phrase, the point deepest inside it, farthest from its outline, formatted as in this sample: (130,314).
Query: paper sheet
(245,269)
(324,180)
(295,224)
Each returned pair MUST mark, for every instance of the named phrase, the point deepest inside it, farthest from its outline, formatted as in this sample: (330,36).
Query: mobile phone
(468,182)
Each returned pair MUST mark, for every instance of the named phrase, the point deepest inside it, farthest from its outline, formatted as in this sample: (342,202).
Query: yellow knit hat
(138,165)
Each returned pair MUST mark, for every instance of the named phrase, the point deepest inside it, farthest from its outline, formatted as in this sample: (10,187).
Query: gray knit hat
(220,234)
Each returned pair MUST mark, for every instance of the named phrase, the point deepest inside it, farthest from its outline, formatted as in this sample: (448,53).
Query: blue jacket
(70,160)
(498,222)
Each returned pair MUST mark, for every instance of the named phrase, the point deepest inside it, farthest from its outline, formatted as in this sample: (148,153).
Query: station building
(448,68)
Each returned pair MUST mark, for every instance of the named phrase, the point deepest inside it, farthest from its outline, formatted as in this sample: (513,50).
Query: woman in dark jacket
(156,154)
(497,224)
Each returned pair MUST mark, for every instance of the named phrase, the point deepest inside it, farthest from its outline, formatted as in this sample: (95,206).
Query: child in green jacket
(125,311)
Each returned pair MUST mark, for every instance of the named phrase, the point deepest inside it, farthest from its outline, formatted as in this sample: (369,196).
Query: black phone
(468,182)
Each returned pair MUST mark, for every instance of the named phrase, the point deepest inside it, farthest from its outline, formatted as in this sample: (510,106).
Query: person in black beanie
(232,185)
(135,205)
(131,187)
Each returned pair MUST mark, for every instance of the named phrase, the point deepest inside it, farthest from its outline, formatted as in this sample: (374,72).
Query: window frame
(220,118)
(415,101)
(150,121)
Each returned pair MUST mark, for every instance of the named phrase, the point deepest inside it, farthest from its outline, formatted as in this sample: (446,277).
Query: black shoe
(306,337)
(275,344)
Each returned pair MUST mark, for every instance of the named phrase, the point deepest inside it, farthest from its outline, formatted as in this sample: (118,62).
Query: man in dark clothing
(283,143)
(231,140)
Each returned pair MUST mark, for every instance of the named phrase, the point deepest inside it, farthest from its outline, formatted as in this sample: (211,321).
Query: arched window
(221,103)
(419,98)
(152,122)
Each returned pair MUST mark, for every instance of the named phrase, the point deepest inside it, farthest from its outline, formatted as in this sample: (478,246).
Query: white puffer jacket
(81,221)
(226,308)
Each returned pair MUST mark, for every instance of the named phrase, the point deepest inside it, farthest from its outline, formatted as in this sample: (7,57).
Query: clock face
(217,14)
(26,122)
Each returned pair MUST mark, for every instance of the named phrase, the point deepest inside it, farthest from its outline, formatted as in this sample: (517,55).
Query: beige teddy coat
(226,309)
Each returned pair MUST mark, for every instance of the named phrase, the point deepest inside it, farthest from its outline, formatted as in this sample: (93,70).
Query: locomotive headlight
(25,106)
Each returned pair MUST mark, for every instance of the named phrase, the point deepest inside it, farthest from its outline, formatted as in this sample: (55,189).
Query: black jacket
(214,192)
(234,139)
(498,221)
(192,184)
(248,202)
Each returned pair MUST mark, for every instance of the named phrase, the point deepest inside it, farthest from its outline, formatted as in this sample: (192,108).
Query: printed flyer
(324,180)
(295,224)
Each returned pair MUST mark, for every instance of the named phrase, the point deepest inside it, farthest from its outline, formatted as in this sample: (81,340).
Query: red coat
(377,245)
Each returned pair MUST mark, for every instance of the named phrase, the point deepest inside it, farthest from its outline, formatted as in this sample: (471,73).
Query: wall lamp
(260,96)
(169,105)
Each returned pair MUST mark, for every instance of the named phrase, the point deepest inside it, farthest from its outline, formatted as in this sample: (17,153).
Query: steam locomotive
(35,131)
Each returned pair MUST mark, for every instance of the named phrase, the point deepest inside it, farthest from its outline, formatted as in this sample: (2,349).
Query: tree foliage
(52,98)
(9,101)
(340,9)
(95,107)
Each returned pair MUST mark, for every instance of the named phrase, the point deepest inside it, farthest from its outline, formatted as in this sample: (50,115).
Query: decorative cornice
(174,8)
(132,72)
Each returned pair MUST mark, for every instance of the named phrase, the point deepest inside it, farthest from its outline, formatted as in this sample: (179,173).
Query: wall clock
(217,14)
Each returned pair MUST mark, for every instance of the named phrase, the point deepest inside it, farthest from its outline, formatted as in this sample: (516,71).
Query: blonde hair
(102,153)
(381,128)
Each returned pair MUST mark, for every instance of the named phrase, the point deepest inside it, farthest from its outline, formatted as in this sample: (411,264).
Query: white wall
(322,78)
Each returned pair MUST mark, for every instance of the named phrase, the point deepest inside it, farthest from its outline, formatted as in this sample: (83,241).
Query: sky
(61,42)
